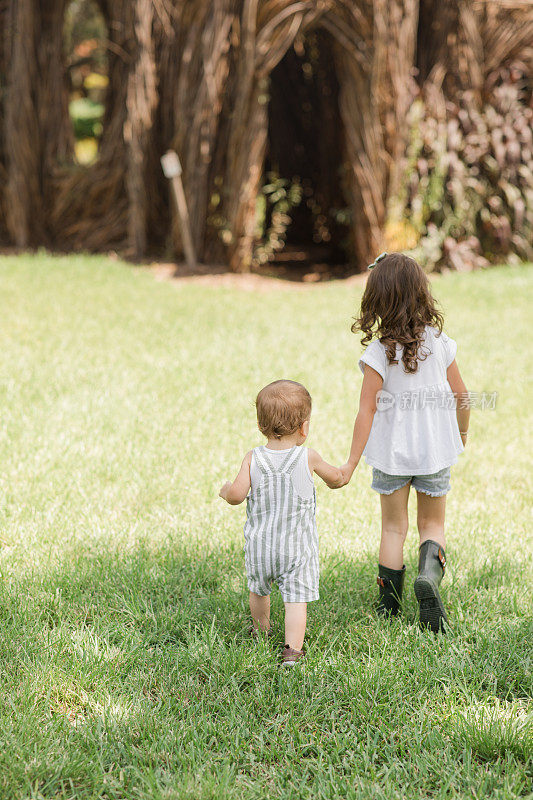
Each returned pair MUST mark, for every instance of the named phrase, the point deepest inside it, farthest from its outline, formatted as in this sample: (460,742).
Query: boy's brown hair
(282,407)
(397,305)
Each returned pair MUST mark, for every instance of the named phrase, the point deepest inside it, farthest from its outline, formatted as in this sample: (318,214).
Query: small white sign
(171,164)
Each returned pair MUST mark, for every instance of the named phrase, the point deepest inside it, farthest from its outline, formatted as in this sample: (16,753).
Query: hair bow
(378,259)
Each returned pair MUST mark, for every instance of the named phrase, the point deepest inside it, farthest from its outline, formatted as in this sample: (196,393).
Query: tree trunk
(21,133)
(141,101)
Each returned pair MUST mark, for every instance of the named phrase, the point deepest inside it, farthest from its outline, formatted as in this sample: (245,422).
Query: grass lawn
(126,669)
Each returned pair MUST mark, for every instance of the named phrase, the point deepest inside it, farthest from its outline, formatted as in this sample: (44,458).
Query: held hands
(347,471)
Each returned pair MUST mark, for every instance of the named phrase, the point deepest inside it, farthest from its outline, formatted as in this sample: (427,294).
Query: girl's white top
(415,430)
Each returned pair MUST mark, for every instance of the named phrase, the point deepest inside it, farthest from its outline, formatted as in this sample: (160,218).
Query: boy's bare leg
(295,624)
(394,525)
(260,610)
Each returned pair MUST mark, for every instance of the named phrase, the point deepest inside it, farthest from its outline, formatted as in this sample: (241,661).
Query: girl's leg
(431,561)
(394,525)
(260,610)
(295,624)
(430,518)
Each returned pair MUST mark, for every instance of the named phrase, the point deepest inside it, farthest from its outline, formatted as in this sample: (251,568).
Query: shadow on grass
(146,651)
(163,598)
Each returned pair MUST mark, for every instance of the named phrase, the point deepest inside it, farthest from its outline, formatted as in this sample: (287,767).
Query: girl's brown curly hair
(397,305)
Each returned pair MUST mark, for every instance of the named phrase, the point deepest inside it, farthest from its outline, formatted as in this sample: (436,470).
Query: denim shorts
(435,485)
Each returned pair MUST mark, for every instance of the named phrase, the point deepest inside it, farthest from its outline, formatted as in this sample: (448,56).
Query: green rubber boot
(390,582)
(431,567)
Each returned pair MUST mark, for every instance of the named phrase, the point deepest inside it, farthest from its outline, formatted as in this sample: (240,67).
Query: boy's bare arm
(372,383)
(457,385)
(332,476)
(234,493)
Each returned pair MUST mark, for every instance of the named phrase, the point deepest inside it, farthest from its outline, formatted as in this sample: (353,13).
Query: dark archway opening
(304,213)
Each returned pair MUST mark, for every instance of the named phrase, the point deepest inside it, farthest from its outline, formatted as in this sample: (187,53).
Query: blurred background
(312,135)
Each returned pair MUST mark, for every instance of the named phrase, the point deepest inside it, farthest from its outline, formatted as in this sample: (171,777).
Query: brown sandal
(289,657)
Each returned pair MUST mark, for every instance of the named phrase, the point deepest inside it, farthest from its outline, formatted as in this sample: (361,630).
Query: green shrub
(86,118)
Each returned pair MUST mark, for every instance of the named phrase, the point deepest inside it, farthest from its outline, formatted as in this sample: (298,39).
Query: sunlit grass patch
(64,697)
(495,729)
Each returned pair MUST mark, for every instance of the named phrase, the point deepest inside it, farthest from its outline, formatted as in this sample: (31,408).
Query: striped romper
(280,533)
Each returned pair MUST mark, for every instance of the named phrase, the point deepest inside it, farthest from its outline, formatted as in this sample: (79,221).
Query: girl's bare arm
(372,383)
(457,385)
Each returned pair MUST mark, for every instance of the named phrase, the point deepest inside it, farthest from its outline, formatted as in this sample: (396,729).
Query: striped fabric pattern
(280,533)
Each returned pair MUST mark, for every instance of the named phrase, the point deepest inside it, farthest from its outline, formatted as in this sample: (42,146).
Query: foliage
(84,22)
(469,186)
(126,669)
(85,37)
(86,151)
(86,117)
(273,213)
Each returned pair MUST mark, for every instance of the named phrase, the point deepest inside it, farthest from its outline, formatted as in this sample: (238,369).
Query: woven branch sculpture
(194,75)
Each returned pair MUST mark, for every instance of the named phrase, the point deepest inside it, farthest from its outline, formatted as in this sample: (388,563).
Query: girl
(412,424)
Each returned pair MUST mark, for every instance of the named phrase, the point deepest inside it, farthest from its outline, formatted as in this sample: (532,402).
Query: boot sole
(432,613)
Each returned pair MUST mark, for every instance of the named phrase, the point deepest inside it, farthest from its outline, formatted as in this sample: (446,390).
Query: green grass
(126,670)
